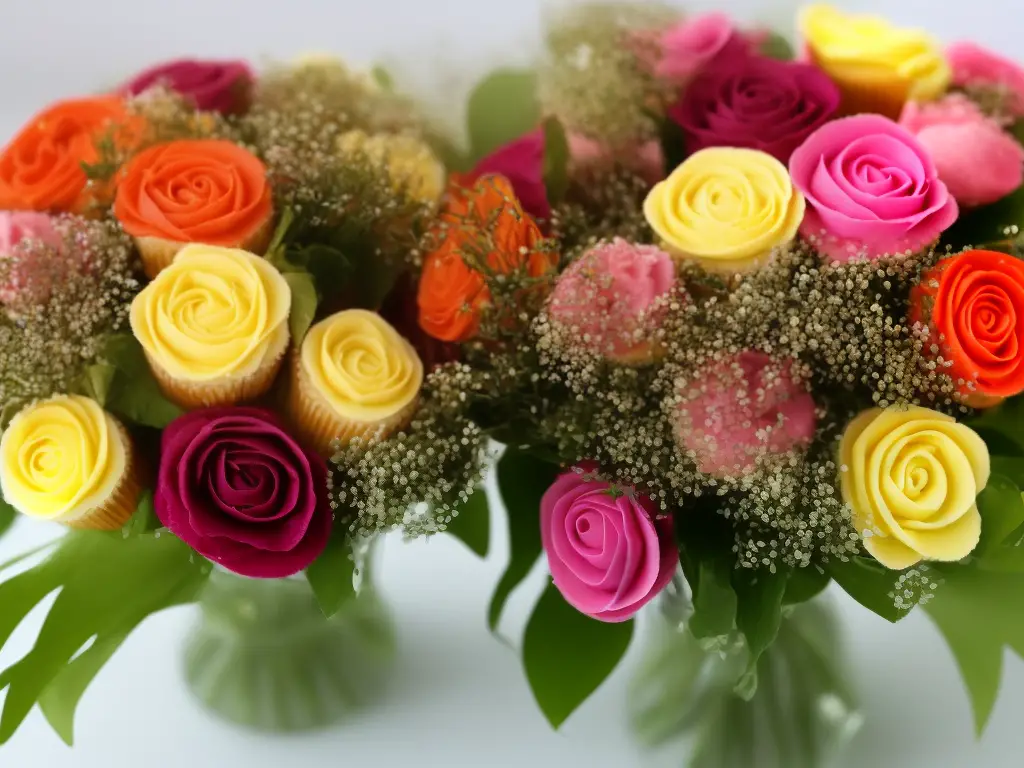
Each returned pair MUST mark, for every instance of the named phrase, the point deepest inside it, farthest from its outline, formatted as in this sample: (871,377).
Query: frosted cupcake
(353,376)
(214,326)
(67,460)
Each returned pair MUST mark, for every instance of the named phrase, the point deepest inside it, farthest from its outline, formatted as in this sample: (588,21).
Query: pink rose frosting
(646,160)
(744,407)
(695,42)
(977,160)
(214,86)
(608,549)
(17,227)
(973,65)
(871,189)
(755,102)
(608,298)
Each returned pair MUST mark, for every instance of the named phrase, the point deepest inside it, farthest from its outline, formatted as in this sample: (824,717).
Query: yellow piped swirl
(878,67)
(726,208)
(215,312)
(361,365)
(911,477)
(61,458)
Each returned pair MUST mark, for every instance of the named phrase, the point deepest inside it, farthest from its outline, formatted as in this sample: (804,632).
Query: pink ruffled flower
(871,189)
(694,43)
(973,65)
(17,227)
(646,160)
(608,299)
(978,161)
(745,407)
(608,549)
(214,86)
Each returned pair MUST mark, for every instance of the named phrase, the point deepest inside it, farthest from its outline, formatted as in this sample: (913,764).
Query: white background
(459,697)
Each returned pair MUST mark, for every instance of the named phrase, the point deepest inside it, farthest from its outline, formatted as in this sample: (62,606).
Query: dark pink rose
(214,86)
(756,102)
(609,550)
(975,66)
(521,161)
(743,408)
(238,490)
(871,189)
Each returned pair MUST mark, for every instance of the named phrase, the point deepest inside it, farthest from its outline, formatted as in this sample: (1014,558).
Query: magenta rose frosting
(24,269)
(237,489)
(697,42)
(214,86)
(755,102)
(608,299)
(977,160)
(609,550)
(521,161)
(744,407)
(871,189)
(973,66)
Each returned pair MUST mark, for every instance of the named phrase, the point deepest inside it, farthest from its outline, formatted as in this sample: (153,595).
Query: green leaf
(714,600)
(805,584)
(330,576)
(8,515)
(144,520)
(984,225)
(472,525)
(107,586)
(776,46)
(133,392)
(502,107)
(556,160)
(869,584)
(522,480)
(329,267)
(567,655)
(759,595)
(673,144)
(382,77)
(304,303)
(97,381)
(1002,512)
(276,247)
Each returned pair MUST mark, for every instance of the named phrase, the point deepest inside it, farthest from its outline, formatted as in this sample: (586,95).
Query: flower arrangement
(744,325)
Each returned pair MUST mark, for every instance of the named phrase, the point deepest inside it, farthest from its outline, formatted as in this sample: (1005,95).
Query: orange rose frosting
(41,169)
(481,226)
(207,191)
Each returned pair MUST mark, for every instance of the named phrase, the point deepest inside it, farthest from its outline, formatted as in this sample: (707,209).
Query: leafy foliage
(556,160)
(472,525)
(330,575)
(869,584)
(127,387)
(502,107)
(304,301)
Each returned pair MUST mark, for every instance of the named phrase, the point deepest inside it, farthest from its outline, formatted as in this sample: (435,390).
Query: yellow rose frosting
(878,67)
(911,477)
(725,207)
(361,365)
(214,312)
(411,166)
(61,458)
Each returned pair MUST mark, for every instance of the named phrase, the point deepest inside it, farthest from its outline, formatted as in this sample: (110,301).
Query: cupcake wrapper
(124,499)
(226,391)
(157,253)
(317,424)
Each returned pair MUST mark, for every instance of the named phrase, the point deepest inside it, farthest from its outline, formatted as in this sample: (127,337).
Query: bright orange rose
(974,304)
(483,227)
(41,169)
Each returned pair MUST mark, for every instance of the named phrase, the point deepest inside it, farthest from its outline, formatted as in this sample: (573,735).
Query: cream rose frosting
(361,365)
(911,477)
(61,458)
(214,312)
(726,208)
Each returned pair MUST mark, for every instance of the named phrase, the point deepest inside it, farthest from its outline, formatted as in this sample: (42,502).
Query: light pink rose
(696,42)
(608,549)
(871,189)
(743,408)
(646,160)
(973,65)
(978,161)
(608,299)
(16,227)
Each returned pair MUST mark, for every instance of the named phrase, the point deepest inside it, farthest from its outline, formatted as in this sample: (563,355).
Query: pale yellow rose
(878,67)
(911,476)
(410,164)
(727,208)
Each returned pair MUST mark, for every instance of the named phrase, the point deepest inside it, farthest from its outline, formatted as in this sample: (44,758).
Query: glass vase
(263,655)
(802,713)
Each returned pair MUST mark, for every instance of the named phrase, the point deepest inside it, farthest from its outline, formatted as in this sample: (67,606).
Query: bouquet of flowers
(731,325)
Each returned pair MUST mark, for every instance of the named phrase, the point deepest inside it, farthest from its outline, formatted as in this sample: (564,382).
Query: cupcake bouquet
(731,325)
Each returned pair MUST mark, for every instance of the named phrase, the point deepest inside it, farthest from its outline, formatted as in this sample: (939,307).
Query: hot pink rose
(609,550)
(976,66)
(521,161)
(214,86)
(978,161)
(21,274)
(608,299)
(871,189)
(755,102)
(696,42)
(745,407)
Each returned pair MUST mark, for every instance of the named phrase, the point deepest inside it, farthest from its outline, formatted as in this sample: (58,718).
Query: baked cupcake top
(361,365)
(214,312)
(61,458)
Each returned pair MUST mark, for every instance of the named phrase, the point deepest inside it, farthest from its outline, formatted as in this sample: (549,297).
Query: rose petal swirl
(911,477)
